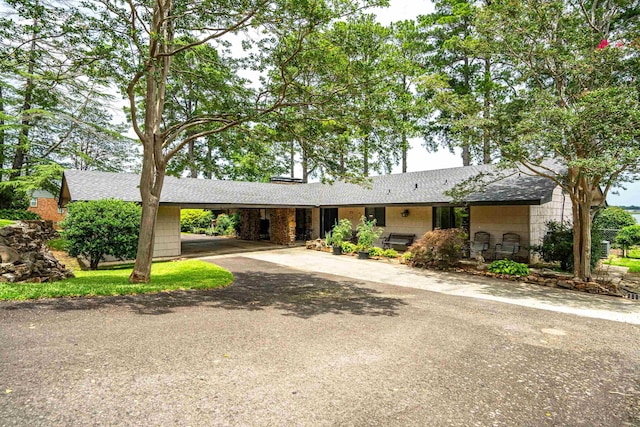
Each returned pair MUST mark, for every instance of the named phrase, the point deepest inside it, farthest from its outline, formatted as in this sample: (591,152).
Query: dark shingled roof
(414,188)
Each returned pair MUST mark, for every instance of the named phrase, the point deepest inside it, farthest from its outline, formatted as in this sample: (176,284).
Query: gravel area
(287,347)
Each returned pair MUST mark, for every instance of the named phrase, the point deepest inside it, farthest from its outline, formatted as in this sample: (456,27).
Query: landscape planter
(337,250)
(363,255)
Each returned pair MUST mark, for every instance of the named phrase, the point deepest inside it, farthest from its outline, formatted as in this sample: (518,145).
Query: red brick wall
(48,210)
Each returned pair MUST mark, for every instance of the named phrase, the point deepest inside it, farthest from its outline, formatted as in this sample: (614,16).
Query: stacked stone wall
(283,226)
(25,256)
(249,224)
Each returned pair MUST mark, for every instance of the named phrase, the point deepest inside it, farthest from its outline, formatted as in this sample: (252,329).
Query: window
(450,217)
(34,202)
(378,213)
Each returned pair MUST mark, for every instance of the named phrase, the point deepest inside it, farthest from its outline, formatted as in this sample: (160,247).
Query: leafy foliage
(627,237)
(367,233)
(341,232)
(557,245)
(438,248)
(376,251)
(613,218)
(226,224)
(194,218)
(98,228)
(348,247)
(390,253)
(510,267)
(17,214)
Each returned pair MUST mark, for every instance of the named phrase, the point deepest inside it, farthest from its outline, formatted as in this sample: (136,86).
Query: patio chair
(480,244)
(509,247)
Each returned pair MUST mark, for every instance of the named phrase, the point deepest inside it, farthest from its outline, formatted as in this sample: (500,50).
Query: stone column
(249,224)
(283,226)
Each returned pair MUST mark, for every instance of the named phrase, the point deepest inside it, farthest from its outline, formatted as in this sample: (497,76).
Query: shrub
(407,257)
(328,240)
(510,267)
(614,218)
(194,218)
(226,224)
(18,214)
(390,253)
(627,237)
(199,230)
(438,247)
(348,247)
(557,245)
(341,232)
(102,227)
(367,233)
(376,251)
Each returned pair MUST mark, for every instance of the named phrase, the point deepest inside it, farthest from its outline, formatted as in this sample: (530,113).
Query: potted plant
(367,233)
(341,232)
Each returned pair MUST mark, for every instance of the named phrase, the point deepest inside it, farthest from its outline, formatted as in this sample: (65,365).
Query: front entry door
(328,217)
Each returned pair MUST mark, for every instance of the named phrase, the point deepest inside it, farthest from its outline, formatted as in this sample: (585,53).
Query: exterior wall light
(405,213)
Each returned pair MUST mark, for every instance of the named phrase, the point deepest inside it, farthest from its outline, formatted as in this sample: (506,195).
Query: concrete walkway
(523,294)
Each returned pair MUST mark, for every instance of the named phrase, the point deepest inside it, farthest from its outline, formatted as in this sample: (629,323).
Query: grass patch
(166,276)
(58,244)
(5,222)
(634,253)
(633,264)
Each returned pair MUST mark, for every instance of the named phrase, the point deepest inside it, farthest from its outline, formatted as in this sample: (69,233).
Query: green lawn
(165,276)
(4,222)
(633,264)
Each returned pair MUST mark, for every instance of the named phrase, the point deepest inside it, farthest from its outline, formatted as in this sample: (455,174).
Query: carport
(198,245)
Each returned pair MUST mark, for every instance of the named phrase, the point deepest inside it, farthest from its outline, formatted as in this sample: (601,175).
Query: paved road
(286,347)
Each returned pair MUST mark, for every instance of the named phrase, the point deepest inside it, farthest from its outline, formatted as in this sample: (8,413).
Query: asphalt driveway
(287,347)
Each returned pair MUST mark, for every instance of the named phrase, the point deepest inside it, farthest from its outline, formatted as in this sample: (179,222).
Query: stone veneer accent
(249,224)
(283,226)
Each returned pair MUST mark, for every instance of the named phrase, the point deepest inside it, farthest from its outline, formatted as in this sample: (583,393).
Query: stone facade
(283,226)
(249,224)
(25,257)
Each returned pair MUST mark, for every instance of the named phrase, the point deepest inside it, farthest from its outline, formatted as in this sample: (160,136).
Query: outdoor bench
(398,239)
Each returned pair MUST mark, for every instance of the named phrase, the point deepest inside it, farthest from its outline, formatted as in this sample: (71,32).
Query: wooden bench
(398,239)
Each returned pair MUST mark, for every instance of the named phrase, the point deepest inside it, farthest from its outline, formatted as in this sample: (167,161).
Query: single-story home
(287,211)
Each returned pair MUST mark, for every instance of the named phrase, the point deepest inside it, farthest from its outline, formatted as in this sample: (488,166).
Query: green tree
(99,228)
(627,237)
(613,218)
(463,85)
(52,94)
(576,103)
(152,35)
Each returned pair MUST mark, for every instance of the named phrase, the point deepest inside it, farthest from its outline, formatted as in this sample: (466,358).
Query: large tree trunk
(466,155)
(305,162)
(151,181)
(486,136)
(193,169)
(365,156)
(22,146)
(154,164)
(582,200)
(1,133)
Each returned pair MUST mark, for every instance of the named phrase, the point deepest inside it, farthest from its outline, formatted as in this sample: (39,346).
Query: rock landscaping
(605,282)
(24,254)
